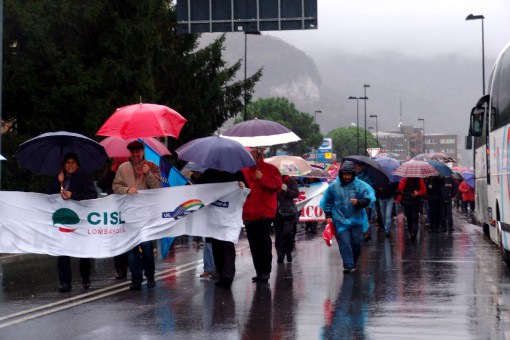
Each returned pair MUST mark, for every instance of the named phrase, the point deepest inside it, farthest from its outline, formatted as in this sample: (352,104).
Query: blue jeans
(349,244)
(208,257)
(141,262)
(386,210)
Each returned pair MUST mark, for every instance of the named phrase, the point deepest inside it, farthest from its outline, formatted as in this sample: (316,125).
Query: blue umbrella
(216,153)
(389,165)
(469,178)
(441,168)
(44,154)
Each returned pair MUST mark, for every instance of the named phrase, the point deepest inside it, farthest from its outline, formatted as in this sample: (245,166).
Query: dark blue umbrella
(389,165)
(216,153)
(374,171)
(443,169)
(44,154)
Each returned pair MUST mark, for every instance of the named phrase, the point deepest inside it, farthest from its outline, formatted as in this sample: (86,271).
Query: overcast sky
(409,27)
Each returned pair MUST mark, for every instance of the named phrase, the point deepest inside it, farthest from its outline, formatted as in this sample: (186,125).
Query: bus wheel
(485,229)
(505,254)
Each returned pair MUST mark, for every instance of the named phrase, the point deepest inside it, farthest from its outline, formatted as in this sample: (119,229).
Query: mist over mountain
(442,90)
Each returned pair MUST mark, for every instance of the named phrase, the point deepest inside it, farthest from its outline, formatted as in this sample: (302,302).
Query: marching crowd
(348,203)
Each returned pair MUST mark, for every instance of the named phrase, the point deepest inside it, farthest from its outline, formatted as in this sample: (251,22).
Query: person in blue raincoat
(344,204)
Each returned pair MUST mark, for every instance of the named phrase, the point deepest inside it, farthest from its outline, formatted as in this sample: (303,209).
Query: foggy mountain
(441,90)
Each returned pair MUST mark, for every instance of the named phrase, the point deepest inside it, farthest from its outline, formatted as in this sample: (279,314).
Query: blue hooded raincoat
(336,200)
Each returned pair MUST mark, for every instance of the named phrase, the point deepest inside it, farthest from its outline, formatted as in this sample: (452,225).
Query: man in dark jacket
(450,190)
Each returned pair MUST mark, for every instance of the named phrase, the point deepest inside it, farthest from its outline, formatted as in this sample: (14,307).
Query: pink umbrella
(143,120)
(412,168)
(117,147)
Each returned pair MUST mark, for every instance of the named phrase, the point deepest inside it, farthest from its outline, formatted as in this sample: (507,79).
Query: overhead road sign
(202,16)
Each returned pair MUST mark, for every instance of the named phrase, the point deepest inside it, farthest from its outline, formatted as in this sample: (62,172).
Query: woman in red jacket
(259,211)
(411,192)
(468,197)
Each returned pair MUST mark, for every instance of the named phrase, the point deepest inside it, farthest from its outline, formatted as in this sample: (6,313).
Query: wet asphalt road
(443,286)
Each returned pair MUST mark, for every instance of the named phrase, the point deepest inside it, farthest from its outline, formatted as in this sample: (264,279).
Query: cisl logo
(98,222)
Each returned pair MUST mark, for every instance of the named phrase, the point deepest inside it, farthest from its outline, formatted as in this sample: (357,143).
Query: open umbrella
(317,172)
(441,168)
(143,120)
(457,175)
(414,168)
(436,156)
(290,165)
(373,169)
(117,147)
(2,158)
(260,132)
(469,177)
(389,165)
(44,154)
(216,153)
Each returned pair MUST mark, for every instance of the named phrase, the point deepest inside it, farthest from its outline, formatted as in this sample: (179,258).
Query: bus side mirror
(476,121)
(469,143)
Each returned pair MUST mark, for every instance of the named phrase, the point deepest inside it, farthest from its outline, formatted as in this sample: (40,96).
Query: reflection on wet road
(444,285)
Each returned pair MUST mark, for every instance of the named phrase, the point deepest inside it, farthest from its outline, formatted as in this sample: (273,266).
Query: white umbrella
(2,158)
(260,132)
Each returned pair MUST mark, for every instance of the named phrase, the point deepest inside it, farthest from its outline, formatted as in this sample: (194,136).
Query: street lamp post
(481,17)
(357,122)
(376,129)
(365,99)
(245,66)
(315,121)
(423,132)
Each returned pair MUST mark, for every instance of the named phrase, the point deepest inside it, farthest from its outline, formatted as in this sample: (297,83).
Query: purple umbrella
(260,132)
(469,178)
(389,165)
(216,153)
(44,154)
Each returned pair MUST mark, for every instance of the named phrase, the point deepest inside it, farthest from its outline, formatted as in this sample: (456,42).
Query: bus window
(476,121)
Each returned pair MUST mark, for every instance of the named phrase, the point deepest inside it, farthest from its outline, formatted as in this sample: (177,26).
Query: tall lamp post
(481,17)
(357,122)
(245,65)
(376,129)
(423,132)
(315,121)
(365,99)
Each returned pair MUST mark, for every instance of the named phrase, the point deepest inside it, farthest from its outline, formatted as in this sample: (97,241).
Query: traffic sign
(373,152)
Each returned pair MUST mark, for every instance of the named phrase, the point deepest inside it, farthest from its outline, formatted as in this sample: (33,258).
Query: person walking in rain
(411,192)
(259,211)
(344,204)
(72,184)
(132,176)
(286,219)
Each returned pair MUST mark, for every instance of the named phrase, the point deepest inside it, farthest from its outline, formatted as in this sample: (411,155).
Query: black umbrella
(373,169)
(44,154)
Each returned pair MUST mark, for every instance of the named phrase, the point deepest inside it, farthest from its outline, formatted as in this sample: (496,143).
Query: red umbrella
(117,147)
(143,120)
(412,168)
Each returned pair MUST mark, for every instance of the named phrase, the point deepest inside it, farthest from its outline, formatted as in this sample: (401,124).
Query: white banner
(104,227)
(308,202)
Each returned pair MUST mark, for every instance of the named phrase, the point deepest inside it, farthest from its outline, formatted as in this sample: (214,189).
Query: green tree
(70,70)
(344,141)
(282,111)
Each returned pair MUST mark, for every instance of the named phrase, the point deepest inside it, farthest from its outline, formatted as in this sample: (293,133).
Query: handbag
(287,212)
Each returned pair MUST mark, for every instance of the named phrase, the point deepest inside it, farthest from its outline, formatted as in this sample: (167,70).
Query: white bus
(490,127)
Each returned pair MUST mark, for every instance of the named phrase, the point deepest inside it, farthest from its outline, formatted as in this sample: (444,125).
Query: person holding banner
(259,212)
(73,184)
(224,252)
(138,174)
(344,204)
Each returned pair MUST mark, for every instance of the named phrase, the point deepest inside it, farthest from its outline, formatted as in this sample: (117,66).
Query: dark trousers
(224,253)
(448,206)
(435,214)
(141,262)
(284,237)
(259,238)
(411,212)
(120,262)
(65,272)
